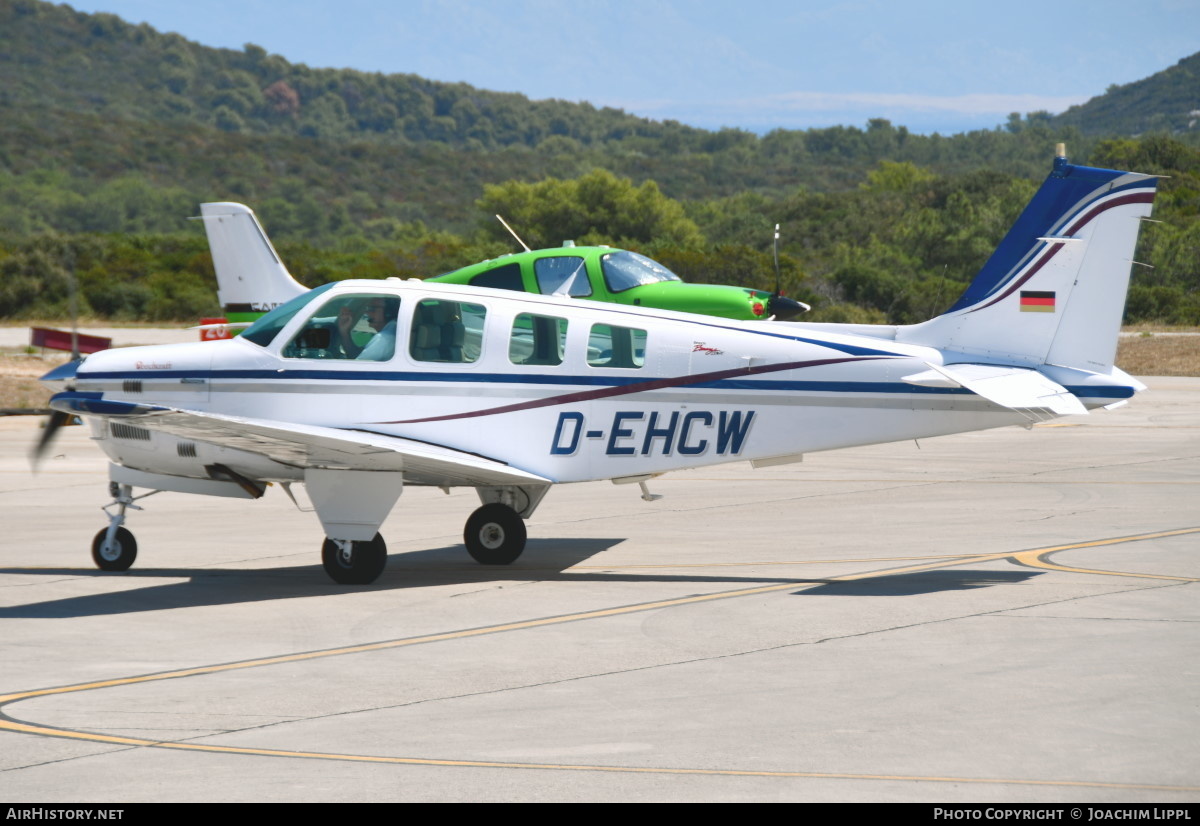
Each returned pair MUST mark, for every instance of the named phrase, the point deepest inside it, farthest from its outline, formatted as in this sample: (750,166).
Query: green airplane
(252,279)
(621,277)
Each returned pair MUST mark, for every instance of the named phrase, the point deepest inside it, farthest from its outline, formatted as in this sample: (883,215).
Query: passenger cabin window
(553,273)
(507,277)
(537,339)
(448,331)
(360,326)
(616,346)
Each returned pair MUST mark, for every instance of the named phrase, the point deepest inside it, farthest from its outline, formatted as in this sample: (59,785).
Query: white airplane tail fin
(251,278)
(1053,292)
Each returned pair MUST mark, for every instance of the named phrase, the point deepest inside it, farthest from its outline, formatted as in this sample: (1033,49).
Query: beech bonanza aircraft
(251,278)
(360,388)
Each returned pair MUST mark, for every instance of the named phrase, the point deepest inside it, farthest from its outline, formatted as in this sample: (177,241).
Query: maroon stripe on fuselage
(640,387)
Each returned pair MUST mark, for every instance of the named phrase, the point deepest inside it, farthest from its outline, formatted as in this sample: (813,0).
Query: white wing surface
(314,446)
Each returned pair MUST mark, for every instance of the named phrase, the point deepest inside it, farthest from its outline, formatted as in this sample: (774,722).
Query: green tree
(596,208)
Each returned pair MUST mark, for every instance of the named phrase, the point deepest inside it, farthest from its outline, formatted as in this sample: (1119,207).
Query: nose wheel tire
(361,566)
(495,535)
(116,555)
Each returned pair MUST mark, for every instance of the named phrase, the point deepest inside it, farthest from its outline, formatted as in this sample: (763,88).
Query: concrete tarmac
(1005,616)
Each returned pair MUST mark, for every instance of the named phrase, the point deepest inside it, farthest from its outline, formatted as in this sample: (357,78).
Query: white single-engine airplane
(359,388)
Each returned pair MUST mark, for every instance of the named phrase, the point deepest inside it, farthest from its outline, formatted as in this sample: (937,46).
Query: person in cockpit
(380,314)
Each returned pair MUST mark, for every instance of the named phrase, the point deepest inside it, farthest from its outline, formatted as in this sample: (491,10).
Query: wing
(310,446)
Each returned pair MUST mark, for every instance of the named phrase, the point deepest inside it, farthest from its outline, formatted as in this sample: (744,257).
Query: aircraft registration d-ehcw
(359,388)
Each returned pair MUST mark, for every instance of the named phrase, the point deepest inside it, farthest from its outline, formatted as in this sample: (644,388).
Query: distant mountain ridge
(53,56)
(1168,101)
(56,57)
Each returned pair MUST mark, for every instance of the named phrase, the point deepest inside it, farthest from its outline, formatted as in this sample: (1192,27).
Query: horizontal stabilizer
(1026,391)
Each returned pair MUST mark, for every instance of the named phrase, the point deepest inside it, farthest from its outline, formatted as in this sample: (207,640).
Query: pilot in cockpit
(380,315)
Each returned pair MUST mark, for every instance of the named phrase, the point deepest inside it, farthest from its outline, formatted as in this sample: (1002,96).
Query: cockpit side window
(263,331)
(552,273)
(507,277)
(360,326)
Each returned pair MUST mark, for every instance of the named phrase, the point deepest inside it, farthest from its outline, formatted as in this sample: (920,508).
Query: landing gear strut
(114,548)
(354,563)
(495,534)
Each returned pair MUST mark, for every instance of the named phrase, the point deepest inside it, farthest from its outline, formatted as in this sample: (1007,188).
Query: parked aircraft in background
(252,279)
(620,277)
(359,388)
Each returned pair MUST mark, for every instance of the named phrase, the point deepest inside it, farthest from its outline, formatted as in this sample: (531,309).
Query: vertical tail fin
(1054,290)
(251,279)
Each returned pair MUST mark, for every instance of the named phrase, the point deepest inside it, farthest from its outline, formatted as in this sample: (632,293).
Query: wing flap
(310,446)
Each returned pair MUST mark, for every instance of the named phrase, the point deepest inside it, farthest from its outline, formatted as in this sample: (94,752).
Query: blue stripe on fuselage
(1111,392)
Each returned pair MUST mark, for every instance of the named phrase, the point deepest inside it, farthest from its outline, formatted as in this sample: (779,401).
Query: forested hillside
(111,134)
(1168,101)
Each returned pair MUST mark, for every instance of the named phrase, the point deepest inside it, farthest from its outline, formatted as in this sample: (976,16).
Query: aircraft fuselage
(686,392)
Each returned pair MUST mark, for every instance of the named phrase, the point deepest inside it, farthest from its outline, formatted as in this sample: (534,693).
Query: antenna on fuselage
(513,234)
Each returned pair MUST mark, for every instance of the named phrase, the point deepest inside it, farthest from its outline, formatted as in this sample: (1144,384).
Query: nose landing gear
(116,552)
(114,548)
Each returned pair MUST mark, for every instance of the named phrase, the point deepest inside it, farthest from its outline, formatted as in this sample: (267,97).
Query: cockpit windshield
(624,270)
(263,331)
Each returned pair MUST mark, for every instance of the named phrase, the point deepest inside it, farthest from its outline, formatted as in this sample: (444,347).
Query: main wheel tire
(367,561)
(495,535)
(117,555)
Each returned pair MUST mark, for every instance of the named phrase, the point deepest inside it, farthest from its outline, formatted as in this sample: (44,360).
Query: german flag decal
(1033,301)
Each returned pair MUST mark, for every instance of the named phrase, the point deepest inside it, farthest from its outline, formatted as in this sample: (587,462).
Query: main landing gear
(495,534)
(354,563)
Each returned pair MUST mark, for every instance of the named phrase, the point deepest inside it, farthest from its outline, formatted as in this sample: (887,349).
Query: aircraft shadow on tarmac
(546,560)
(915,583)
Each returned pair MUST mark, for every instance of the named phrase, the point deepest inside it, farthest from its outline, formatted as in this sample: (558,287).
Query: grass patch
(19,385)
(1158,353)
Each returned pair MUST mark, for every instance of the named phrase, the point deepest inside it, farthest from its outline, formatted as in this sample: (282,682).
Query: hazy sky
(757,64)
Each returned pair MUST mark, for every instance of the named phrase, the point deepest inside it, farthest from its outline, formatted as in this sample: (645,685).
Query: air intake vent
(186,450)
(127,431)
(131,386)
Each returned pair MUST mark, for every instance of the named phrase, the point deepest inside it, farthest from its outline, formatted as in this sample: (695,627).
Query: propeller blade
(57,419)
